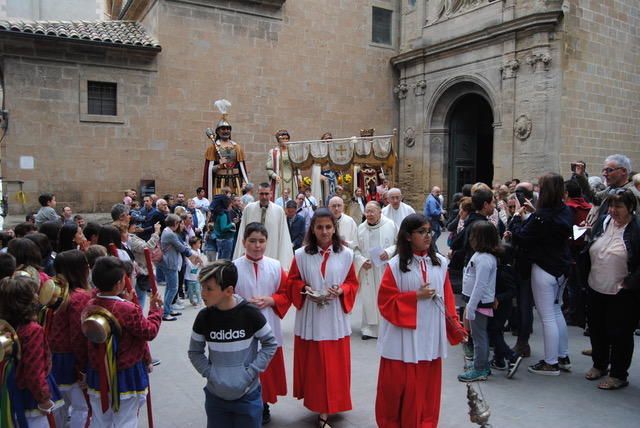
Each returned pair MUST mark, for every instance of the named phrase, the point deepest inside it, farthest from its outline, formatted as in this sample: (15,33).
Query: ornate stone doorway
(470,124)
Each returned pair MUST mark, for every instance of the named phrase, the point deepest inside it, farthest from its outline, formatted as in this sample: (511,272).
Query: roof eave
(84,42)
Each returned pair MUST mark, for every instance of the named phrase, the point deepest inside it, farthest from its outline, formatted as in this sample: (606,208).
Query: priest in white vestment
(347,227)
(264,211)
(396,210)
(376,245)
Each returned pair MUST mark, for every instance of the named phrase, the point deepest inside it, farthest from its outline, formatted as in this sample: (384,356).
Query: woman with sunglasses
(418,316)
(613,292)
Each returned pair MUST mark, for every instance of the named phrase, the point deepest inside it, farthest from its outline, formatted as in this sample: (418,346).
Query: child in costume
(117,373)
(68,344)
(322,286)
(231,329)
(418,316)
(262,281)
(25,374)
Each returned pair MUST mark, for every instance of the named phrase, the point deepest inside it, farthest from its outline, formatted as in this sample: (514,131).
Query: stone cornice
(528,22)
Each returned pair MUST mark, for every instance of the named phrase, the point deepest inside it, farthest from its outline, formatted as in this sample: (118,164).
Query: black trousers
(522,317)
(612,320)
(496,330)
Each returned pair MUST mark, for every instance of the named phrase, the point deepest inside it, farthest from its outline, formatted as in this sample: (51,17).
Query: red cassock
(322,352)
(265,277)
(412,343)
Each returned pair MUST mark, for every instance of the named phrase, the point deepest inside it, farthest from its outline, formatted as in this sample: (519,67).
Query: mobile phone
(521,198)
(573,167)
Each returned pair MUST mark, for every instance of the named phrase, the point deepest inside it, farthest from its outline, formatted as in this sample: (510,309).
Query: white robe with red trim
(322,358)
(265,277)
(332,321)
(270,280)
(413,330)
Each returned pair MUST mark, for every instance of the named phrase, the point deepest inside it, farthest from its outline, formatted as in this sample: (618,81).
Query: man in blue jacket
(296,224)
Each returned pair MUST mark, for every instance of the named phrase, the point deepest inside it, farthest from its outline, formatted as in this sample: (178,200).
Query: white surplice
(263,283)
(348,230)
(397,215)
(382,235)
(428,341)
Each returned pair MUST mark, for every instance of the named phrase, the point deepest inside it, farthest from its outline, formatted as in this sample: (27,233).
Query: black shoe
(564,363)
(175,313)
(366,337)
(514,363)
(266,414)
(499,365)
(155,361)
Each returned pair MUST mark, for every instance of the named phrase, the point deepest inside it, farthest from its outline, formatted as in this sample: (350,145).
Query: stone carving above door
(539,61)
(522,127)
(419,88)
(509,68)
(401,90)
(440,10)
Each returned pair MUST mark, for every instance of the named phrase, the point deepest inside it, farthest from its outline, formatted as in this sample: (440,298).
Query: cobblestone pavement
(528,400)
(567,401)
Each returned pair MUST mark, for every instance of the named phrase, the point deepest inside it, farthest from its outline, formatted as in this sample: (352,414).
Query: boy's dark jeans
(245,412)
(495,329)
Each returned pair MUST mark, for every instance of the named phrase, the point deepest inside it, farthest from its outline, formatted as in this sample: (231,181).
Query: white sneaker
(177,307)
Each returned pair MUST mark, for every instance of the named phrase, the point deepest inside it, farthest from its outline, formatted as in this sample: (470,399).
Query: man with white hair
(376,245)
(347,228)
(616,174)
(396,210)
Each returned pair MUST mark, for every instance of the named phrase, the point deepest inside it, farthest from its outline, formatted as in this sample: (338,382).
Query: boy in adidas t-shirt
(231,328)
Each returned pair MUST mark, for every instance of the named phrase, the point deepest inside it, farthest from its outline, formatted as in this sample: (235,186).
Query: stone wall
(601,88)
(86,163)
(308,67)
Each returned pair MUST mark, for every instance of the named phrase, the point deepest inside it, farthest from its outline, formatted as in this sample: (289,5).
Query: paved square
(528,400)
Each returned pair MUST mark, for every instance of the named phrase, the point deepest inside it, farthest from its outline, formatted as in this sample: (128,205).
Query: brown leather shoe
(523,349)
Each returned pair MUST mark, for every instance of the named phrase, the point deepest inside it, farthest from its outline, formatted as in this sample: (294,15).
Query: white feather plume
(223,106)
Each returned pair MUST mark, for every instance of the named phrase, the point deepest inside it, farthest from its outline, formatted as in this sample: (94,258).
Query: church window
(381,26)
(102,98)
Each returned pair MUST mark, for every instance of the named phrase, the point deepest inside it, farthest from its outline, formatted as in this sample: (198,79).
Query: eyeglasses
(423,231)
(610,170)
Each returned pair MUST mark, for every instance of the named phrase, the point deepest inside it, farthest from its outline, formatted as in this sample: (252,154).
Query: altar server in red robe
(263,282)
(322,286)
(415,300)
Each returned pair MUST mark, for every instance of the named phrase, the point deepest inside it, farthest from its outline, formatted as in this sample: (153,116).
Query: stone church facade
(478,89)
(494,90)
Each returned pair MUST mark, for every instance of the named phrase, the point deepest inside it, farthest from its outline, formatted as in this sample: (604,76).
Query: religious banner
(298,153)
(341,152)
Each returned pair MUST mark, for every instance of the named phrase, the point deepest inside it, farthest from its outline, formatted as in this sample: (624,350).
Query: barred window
(102,98)
(381,28)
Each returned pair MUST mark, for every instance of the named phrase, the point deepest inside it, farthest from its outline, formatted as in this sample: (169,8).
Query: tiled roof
(119,33)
